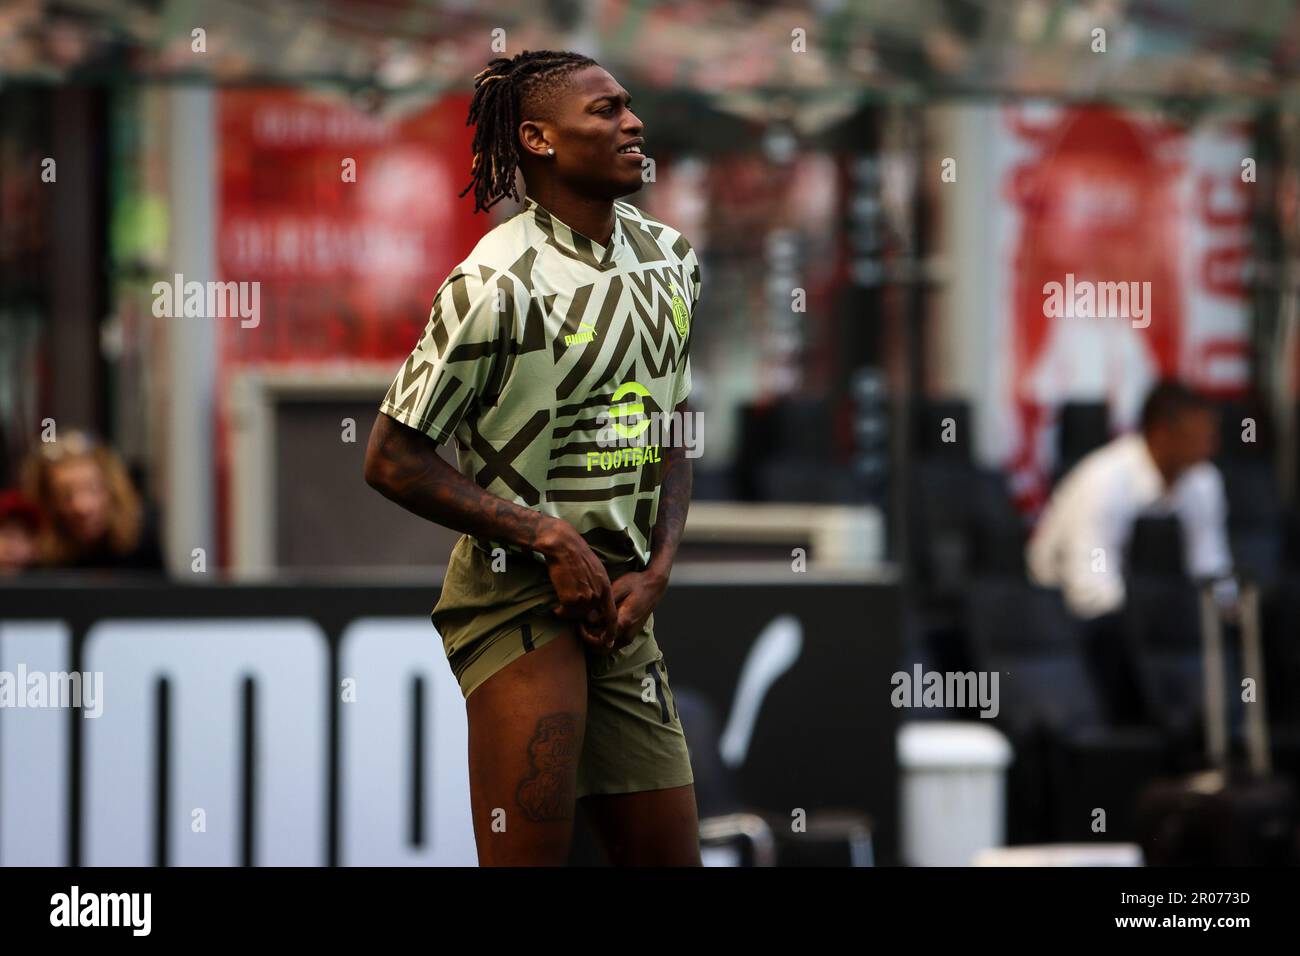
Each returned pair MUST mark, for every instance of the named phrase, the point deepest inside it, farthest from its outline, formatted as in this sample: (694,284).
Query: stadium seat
(929,421)
(1281,627)
(1069,760)
(1233,417)
(1163,632)
(732,833)
(1155,548)
(1081,428)
(716,793)
(1256,522)
(1025,633)
(962,524)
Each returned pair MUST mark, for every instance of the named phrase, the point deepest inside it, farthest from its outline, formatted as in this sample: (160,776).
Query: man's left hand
(635,594)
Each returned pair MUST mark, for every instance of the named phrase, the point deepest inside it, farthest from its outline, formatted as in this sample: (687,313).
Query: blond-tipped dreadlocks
(498,92)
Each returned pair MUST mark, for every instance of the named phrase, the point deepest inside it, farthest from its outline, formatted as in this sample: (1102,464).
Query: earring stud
(550,151)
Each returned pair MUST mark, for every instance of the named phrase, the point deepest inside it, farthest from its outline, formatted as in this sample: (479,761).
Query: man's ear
(533,138)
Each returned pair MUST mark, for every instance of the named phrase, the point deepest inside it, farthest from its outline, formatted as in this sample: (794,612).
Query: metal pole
(1216,733)
(192,342)
(1253,665)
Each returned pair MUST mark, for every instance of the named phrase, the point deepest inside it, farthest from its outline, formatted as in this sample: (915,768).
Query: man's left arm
(637,593)
(1203,510)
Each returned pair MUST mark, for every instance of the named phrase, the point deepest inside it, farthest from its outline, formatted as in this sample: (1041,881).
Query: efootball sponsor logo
(626,425)
(627,419)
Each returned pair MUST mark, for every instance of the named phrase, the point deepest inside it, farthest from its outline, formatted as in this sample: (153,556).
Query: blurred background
(877,193)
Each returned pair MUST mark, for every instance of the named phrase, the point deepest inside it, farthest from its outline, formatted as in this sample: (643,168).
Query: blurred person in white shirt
(1079,544)
(1165,468)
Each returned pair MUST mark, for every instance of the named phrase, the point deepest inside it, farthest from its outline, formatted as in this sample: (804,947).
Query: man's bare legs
(526,726)
(647,828)
(526,731)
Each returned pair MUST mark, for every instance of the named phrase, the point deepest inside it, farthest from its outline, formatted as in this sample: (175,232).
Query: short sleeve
(460,357)
(683,389)
(683,383)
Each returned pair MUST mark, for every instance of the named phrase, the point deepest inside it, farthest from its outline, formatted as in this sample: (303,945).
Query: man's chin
(627,189)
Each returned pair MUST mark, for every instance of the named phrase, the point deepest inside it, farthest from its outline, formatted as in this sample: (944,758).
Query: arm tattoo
(416,477)
(548,793)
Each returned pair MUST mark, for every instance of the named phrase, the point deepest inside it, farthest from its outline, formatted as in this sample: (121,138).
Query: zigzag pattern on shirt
(586,360)
(409,385)
(454,304)
(536,449)
(661,351)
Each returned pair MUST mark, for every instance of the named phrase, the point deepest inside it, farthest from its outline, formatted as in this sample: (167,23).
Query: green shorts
(634,739)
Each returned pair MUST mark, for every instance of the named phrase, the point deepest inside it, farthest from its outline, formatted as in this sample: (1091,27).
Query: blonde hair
(126,512)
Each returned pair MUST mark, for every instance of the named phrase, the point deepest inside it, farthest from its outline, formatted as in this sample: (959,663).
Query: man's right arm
(404,466)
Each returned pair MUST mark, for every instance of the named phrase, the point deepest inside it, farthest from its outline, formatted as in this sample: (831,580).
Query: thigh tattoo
(548,793)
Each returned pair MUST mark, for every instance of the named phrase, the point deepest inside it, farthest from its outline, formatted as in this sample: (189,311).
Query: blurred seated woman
(20,523)
(94,516)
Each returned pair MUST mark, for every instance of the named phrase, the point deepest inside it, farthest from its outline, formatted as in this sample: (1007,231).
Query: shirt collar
(570,238)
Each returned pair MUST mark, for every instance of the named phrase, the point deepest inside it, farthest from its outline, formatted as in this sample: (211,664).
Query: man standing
(548,352)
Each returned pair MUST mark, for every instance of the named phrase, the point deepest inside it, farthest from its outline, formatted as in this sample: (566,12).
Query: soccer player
(548,354)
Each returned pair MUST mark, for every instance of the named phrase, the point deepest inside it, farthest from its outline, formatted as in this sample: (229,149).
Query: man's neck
(1162,466)
(593,218)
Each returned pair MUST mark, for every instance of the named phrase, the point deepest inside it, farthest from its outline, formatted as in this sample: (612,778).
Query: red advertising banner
(1126,240)
(345,224)
(348,221)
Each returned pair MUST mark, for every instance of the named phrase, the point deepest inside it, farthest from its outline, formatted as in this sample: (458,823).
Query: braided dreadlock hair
(499,91)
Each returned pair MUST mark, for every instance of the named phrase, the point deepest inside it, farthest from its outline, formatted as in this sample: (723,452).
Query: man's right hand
(581,583)
(403,464)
